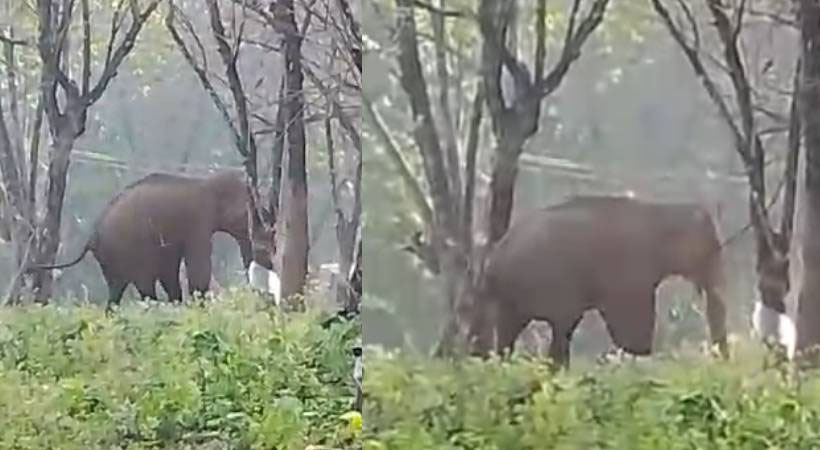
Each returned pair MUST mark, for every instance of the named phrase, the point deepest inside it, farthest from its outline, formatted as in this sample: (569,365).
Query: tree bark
(16,217)
(295,260)
(808,310)
(49,233)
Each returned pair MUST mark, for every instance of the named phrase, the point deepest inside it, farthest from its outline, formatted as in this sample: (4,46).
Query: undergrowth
(672,401)
(230,374)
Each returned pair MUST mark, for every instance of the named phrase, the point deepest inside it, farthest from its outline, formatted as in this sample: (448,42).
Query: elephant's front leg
(629,315)
(169,278)
(562,331)
(198,264)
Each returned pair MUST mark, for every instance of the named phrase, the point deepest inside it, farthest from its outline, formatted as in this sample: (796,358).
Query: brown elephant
(145,231)
(595,252)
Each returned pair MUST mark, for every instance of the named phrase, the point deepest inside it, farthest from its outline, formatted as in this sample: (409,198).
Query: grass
(682,400)
(233,374)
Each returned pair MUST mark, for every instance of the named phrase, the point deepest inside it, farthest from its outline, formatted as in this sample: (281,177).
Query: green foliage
(671,401)
(231,374)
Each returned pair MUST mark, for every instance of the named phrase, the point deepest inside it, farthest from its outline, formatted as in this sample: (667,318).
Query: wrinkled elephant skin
(604,253)
(153,224)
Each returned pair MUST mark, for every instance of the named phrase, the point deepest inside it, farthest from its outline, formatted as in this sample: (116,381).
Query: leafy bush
(671,401)
(231,374)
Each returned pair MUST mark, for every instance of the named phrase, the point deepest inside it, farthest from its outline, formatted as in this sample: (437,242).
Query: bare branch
(12,41)
(247,144)
(64,26)
(700,71)
(410,180)
(116,23)
(331,168)
(573,16)
(451,160)
(353,25)
(438,11)
(45,46)
(572,47)
(86,48)
(541,37)
(693,25)
(34,156)
(737,74)
(201,75)
(790,172)
(739,11)
(109,71)
(424,129)
(470,169)
(774,17)
(325,90)
(16,130)
(277,153)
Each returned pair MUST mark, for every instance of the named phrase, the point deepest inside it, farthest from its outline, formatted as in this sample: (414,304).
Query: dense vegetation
(684,400)
(230,374)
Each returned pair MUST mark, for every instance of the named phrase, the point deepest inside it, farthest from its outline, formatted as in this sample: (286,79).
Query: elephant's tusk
(768,323)
(264,280)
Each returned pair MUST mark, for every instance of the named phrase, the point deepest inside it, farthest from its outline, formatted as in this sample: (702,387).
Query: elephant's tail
(88,246)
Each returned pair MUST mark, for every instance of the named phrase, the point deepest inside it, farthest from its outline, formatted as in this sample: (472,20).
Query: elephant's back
(570,240)
(156,209)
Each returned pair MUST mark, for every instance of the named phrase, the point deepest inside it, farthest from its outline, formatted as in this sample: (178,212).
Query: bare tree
(808,312)
(447,246)
(284,21)
(296,247)
(742,119)
(67,100)
(239,118)
(515,123)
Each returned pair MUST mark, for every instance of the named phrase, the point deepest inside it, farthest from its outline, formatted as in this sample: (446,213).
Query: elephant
(146,230)
(608,253)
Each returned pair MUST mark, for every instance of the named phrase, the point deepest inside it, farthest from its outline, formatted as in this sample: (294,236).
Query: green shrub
(230,374)
(671,401)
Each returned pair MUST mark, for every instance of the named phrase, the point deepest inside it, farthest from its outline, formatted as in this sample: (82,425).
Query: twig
(21,42)
(393,152)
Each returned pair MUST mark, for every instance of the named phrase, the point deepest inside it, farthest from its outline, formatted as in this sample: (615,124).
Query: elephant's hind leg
(509,328)
(172,287)
(147,289)
(116,286)
(561,336)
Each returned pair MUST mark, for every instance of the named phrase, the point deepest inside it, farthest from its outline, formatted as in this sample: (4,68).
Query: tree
(277,29)
(743,120)
(19,173)
(808,312)
(447,245)
(515,123)
(66,101)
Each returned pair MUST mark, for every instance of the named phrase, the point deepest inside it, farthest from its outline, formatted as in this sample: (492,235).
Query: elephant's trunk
(716,316)
(714,284)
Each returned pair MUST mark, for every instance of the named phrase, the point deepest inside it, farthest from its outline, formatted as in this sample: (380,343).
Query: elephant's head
(263,236)
(480,321)
(241,215)
(689,246)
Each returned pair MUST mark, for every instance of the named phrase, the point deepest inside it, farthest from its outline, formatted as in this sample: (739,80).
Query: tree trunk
(808,310)
(49,233)
(15,214)
(295,261)
(502,193)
